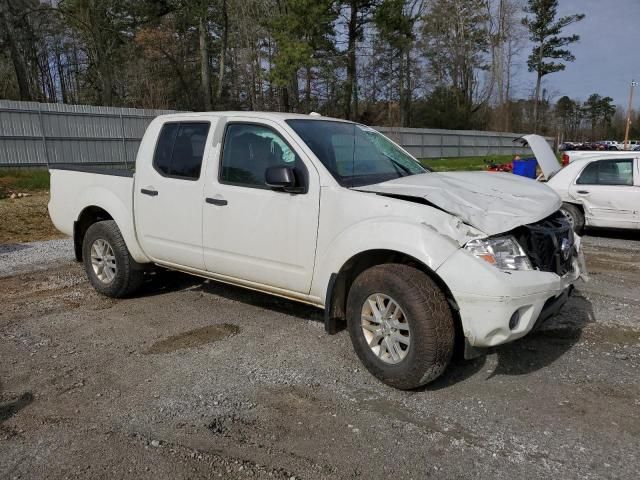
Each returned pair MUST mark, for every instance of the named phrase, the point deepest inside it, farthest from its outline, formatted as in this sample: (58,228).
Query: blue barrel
(525,167)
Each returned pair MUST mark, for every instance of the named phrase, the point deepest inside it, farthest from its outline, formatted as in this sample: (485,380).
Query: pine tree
(548,49)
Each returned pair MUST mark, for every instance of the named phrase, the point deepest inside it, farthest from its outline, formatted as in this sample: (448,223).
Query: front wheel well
(340,283)
(577,205)
(87,217)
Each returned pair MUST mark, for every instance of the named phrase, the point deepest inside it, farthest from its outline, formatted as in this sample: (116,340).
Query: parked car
(567,146)
(631,145)
(600,191)
(610,145)
(335,215)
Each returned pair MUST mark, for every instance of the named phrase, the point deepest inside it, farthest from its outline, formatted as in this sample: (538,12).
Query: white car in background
(598,189)
(568,157)
(611,144)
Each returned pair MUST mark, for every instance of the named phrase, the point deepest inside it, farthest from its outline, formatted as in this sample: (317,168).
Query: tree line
(434,63)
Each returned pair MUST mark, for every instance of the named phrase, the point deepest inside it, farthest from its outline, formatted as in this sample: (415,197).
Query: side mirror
(283,178)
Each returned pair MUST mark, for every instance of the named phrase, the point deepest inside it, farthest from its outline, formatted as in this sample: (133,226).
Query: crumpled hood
(491,202)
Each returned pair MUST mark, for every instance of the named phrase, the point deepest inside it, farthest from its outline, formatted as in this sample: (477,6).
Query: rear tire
(109,265)
(575,216)
(425,347)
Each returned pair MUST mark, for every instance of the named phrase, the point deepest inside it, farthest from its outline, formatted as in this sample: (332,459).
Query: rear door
(609,192)
(250,231)
(168,194)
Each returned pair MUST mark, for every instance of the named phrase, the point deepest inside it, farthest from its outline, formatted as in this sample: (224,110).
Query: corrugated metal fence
(42,133)
(434,143)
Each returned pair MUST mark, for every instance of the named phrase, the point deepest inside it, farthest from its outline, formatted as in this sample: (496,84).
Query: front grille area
(549,243)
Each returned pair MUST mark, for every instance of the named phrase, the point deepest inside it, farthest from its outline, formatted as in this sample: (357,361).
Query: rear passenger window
(249,150)
(180,149)
(607,172)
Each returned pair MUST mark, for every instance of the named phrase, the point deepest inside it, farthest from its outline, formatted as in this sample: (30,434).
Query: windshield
(355,155)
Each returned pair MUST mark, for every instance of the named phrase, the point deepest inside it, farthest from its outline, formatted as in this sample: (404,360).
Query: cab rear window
(180,149)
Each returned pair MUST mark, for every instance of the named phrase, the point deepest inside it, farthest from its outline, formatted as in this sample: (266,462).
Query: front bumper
(496,307)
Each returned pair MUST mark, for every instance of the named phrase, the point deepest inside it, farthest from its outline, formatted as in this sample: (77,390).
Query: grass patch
(23,180)
(464,163)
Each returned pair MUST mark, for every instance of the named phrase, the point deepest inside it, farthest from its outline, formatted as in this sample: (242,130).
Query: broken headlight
(504,253)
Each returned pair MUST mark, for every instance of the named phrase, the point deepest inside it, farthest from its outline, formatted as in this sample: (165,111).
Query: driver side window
(249,150)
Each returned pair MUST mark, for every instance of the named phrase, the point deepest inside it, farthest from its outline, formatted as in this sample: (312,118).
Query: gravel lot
(194,379)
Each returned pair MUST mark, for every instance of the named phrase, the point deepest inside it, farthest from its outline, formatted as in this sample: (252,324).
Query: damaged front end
(550,244)
(518,257)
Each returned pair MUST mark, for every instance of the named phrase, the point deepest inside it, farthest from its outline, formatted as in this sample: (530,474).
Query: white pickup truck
(333,214)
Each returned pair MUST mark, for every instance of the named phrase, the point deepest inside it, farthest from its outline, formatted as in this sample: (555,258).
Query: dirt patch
(605,262)
(609,334)
(194,338)
(26,220)
(59,289)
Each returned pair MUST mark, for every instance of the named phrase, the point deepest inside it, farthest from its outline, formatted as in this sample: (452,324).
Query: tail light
(565,159)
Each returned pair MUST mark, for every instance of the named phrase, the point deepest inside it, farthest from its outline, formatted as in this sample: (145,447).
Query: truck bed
(77,189)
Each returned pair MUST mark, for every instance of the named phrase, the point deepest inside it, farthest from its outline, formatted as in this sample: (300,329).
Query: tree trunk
(408,92)
(535,104)
(205,68)
(223,50)
(349,93)
(286,107)
(294,93)
(507,90)
(61,75)
(404,88)
(102,63)
(106,79)
(538,84)
(307,91)
(16,58)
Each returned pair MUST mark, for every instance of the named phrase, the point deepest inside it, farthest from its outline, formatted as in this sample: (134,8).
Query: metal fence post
(124,145)
(44,138)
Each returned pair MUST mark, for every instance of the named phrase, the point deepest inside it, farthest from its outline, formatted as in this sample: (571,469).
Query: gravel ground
(193,379)
(24,257)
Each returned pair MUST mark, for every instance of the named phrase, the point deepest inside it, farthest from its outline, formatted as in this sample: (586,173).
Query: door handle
(216,201)
(148,191)
(583,192)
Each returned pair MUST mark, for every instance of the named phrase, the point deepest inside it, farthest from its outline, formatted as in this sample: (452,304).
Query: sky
(607,55)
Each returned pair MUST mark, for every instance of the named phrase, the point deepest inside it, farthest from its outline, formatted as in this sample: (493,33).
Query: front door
(168,195)
(250,231)
(607,192)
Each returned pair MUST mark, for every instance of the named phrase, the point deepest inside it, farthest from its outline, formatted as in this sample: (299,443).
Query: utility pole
(626,130)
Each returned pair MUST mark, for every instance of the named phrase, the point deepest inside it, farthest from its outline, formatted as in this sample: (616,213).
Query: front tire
(400,325)
(109,265)
(575,217)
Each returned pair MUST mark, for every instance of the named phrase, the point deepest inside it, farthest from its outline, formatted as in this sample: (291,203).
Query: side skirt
(257,287)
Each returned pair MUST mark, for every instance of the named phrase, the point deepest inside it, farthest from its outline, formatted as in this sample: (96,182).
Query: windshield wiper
(398,164)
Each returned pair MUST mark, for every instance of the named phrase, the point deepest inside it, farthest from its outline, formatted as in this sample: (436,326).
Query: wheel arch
(579,206)
(87,217)
(341,281)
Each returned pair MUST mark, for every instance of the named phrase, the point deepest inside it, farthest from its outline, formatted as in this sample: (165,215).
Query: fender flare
(106,200)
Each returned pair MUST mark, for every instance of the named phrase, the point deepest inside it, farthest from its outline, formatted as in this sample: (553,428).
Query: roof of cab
(278,116)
